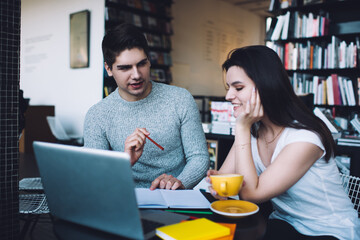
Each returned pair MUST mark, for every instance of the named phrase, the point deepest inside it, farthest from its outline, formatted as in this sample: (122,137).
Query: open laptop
(95,188)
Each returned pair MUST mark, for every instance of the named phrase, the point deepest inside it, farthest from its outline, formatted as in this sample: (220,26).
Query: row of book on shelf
(282,4)
(146,5)
(309,55)
(142,21)
(222,118)
(158,41)
(161,58)
(352,140)
(296,25)
(330,90)
(161,75)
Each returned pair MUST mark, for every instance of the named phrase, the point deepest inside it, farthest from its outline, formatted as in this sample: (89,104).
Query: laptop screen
(91,187)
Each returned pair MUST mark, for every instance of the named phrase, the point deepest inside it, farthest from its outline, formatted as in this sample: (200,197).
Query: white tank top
(317,204)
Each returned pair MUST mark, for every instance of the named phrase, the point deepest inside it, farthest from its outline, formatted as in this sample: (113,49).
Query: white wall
(204,32)
(45,73)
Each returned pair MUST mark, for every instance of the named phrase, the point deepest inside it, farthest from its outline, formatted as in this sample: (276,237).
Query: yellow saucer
(234,208)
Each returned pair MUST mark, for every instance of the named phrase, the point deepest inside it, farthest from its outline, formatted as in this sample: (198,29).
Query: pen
(154,142)
(186,211)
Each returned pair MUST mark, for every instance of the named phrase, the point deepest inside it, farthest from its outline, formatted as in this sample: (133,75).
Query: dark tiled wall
(9,102)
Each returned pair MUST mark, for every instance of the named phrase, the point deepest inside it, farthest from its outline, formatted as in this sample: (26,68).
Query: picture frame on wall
(79,39)
(213,153)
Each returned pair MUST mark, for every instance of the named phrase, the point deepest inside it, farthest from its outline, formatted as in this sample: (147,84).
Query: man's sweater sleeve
(94,133)
(194,143)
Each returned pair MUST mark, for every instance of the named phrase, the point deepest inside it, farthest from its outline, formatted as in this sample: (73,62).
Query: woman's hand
(253,111)
(212,191)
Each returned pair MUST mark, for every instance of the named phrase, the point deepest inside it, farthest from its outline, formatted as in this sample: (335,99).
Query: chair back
(57,129)
(351,185)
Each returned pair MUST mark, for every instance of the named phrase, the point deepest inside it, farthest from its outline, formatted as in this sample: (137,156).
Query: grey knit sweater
(171,116)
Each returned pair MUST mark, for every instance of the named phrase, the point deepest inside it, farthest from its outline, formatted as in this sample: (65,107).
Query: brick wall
(9,105)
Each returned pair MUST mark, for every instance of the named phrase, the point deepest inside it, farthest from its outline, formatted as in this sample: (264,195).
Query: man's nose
(135,73)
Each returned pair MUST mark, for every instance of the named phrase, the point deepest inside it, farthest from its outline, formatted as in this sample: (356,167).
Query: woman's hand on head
(253,111)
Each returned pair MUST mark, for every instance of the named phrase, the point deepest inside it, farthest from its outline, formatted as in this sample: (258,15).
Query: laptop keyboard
(149,226)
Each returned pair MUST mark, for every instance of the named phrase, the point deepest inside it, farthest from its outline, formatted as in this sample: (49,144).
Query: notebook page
(149,199)
(185,198)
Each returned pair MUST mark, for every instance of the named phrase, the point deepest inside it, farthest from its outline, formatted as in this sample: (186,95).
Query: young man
(140,108)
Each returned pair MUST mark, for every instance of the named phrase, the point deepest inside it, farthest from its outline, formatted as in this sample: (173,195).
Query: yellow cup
(227,185)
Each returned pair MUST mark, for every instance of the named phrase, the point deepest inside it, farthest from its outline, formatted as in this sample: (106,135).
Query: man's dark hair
(122,37)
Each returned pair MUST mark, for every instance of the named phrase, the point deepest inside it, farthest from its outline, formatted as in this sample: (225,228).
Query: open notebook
(161,198)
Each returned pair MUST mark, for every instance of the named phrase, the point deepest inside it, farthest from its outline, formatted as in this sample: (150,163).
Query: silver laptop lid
(90,187)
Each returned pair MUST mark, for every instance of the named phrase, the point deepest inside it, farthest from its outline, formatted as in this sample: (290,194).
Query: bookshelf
(319,44)
(153,18)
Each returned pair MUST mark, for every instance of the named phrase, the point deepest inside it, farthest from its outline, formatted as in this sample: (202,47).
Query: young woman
(284,152)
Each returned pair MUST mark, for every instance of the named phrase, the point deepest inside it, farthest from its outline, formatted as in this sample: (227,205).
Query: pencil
(154,142)
(186,211)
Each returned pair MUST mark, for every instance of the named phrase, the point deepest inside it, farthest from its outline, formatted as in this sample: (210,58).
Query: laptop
(95,188)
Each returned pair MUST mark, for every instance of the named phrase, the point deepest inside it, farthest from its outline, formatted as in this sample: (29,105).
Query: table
(248,228)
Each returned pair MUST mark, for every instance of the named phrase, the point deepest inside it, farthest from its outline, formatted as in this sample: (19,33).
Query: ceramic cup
(227,185)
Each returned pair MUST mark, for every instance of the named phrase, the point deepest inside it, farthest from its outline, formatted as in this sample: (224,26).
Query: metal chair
(351,185)
(31,205)
(59,133)
(31,184)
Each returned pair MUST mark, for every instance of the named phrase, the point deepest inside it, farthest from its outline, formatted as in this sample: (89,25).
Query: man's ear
(108,69)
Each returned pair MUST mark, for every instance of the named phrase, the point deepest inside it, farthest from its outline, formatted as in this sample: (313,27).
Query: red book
(286,56)
(336,90)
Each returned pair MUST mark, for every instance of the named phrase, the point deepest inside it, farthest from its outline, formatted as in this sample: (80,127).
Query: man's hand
(165,181)
(134,144)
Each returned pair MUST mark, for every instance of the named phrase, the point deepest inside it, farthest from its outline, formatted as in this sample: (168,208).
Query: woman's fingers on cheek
(253,96)
(261,111)
(247,108)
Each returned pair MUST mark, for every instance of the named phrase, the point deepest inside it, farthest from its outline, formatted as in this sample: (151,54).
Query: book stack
(356,123)
(296,25)
(206,127)
(276,4)
(349,141)
(343,163)
(331,90)
(112,13)
(199,229)
(221,128)
(221,117)
(160,58)
(157,75)
(326,117)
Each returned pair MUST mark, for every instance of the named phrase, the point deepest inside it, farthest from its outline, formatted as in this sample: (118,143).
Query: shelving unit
(320,42)
(153,17)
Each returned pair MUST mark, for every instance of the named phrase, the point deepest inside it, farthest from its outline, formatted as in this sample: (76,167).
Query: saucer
(234,208)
